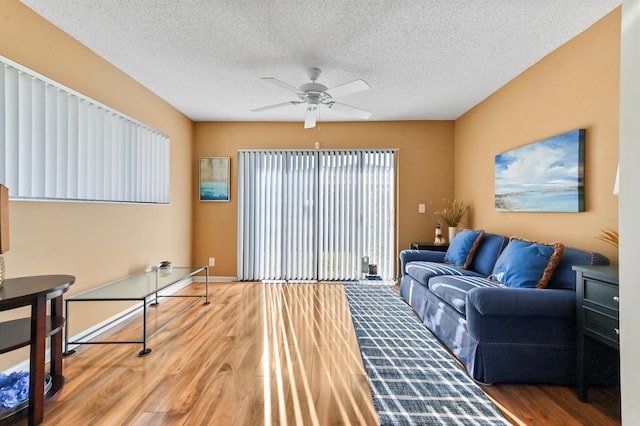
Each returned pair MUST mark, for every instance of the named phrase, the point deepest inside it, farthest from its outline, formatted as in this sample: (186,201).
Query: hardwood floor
(259,354)
(555,405)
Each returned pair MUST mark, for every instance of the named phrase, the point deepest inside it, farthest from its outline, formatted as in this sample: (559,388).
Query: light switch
(421,208)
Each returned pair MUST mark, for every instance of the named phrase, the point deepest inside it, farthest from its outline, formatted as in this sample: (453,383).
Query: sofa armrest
(521,315)
(407,256)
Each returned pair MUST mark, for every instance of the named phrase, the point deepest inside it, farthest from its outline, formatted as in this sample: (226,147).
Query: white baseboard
(215,279)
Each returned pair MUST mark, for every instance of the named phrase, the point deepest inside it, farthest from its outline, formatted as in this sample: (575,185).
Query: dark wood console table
(598,312)
(429,246)
(33,332)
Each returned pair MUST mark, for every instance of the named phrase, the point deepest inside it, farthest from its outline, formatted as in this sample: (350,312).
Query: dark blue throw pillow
(526,264)
(461,249)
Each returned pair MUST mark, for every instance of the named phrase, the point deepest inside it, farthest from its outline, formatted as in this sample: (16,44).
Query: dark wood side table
(597,310)
(429,246)
(33,332)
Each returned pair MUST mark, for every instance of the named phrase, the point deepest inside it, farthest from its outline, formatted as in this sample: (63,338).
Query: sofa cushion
(485,257)
(564,276)
(462,248)
(453,290)
(525,263)
(423,271)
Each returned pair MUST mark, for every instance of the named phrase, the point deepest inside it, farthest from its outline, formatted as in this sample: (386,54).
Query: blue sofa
(500,334)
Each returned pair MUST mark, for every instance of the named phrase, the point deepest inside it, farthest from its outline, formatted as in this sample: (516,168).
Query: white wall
(630,211)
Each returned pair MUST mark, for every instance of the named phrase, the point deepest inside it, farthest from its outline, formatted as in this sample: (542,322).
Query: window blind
(312,215)
(57,144)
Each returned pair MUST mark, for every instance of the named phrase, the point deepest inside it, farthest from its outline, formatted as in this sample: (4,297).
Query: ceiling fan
(315,94)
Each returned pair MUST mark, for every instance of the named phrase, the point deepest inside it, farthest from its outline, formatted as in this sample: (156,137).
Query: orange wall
(576,86)
(96,242)
(425,171)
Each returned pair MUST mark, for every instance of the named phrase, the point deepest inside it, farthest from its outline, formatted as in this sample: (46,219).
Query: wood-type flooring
(261,354)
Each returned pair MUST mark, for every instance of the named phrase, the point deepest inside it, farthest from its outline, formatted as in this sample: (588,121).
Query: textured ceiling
(424,59)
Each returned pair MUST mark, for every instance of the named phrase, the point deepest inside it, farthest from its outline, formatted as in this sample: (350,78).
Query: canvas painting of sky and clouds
(545,176)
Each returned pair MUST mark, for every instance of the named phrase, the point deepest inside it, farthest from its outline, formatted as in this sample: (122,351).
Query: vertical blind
(312,215)
(59,144)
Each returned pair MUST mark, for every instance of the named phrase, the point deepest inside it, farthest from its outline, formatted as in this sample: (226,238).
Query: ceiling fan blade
(347,109)
(311,117)
(281,84)
(264,108)
(348,88)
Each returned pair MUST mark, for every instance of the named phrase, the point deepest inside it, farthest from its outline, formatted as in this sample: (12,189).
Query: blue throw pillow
(526,264)
(461,249)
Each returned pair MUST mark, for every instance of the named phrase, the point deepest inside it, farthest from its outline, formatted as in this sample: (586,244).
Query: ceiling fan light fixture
(311,116)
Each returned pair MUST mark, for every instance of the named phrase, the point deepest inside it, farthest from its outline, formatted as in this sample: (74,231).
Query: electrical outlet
(212,261)
(421,208)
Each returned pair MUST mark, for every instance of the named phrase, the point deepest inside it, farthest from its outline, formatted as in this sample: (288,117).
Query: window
(313,215)
(56,144)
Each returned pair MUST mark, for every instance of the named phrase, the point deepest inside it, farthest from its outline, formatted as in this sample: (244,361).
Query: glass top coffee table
(143,288)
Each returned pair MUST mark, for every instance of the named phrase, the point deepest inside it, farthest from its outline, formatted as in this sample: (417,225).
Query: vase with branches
(452,215)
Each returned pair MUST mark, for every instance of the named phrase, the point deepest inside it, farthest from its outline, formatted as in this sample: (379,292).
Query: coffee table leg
(206,286)
(155,299)
(67,351)
(145,350)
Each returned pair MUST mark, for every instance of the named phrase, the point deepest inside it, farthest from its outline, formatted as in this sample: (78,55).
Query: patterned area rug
(415,381)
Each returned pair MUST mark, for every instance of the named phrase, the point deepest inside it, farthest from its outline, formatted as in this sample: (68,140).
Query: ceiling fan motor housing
(315,94)
(315,91)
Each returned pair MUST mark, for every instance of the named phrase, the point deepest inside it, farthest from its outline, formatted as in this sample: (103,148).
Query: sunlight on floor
(305,348)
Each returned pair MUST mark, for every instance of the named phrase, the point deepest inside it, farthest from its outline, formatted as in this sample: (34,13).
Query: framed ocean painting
(214,178)
(544,176)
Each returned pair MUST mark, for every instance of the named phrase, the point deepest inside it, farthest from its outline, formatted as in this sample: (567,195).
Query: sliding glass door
(312,215)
